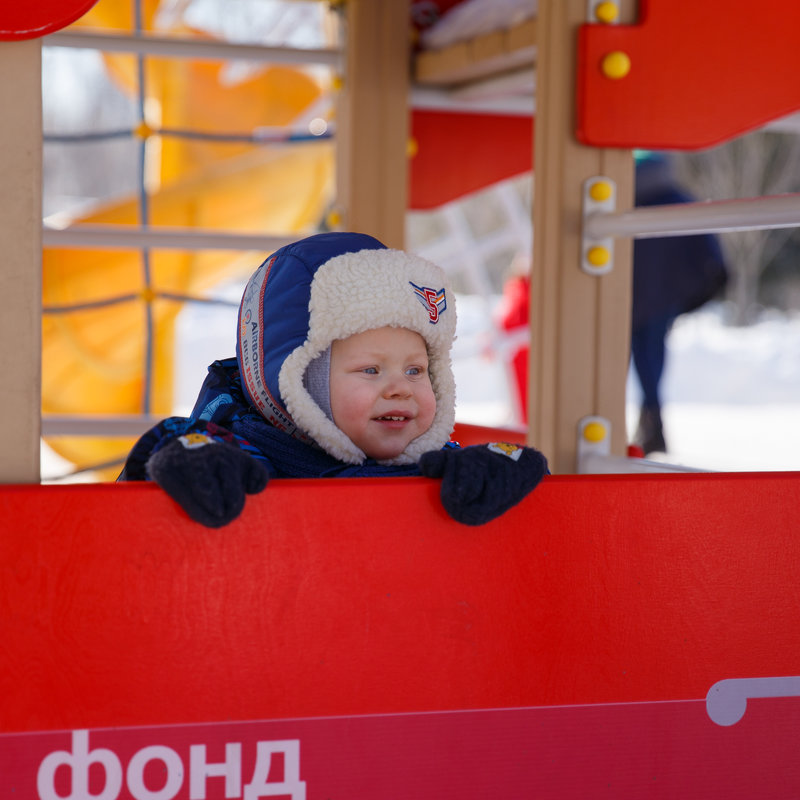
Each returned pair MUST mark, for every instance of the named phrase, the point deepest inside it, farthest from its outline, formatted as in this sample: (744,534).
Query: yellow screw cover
(616,65)
(606,12)
(594,432)
(600,191)
(598,256)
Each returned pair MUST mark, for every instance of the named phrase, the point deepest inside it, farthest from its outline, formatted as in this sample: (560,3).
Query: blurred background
(245,146)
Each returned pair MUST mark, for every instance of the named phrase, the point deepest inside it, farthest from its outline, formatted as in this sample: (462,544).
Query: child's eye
(415,371)
(370,370)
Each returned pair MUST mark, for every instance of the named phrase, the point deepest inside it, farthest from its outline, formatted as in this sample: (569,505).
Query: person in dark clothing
(342,369)
(671,276)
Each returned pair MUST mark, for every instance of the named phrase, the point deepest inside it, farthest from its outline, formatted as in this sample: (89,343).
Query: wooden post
(580,323)
(21,265)
(372,120)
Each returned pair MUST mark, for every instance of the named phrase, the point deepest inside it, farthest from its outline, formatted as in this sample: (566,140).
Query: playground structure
(108,344)
(598,596)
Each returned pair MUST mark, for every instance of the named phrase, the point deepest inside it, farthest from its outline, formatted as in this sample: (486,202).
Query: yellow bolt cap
(594,432)
(616,65)
(606,12)
(598,256)
(600,191)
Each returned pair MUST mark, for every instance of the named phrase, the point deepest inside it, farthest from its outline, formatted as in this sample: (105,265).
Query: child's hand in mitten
(209,479)
(482,482)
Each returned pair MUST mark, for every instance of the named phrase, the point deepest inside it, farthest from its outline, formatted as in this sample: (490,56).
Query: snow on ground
(731,395)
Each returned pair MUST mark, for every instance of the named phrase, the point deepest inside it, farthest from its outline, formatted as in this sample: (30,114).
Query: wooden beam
(373,120)
(580,323)
(21,266)
(484,56)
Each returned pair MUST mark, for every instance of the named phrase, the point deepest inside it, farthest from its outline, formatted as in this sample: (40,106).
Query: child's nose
(396,386)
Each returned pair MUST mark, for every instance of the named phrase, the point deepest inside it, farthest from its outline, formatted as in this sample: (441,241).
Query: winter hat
(327,287)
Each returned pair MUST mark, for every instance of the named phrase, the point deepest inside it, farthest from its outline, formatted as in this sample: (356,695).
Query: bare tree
(758,164)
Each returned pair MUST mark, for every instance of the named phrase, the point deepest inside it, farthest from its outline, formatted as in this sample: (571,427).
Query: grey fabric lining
(317,381)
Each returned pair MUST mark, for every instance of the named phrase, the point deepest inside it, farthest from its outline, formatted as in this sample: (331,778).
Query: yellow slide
(93,359)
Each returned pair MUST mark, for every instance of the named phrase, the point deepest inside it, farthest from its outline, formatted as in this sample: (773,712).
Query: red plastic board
(360,596)
(700,73)
(459,153)
(466,434)
(22,19)
(604,752)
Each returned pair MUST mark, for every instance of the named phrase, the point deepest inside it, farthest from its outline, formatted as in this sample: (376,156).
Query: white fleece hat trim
(357,292)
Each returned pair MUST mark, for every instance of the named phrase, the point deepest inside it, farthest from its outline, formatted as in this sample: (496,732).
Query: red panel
(460,153)
(701,73)
(22,19)
(360,596)
(466,434)
(657,751)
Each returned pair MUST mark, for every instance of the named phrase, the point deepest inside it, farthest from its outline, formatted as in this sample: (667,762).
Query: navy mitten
(207,478)
(482,482)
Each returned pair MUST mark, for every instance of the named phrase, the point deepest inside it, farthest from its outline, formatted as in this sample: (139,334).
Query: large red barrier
(603,609)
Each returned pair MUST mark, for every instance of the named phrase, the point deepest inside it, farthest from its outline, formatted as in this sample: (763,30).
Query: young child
(342,369)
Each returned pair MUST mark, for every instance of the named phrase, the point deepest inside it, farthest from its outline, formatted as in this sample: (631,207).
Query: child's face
(381,394)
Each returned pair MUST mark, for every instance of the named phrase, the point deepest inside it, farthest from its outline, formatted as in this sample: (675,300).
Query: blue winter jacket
(223,413)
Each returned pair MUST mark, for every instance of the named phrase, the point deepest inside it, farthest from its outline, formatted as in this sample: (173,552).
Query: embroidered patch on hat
(512,451)
(434,301)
